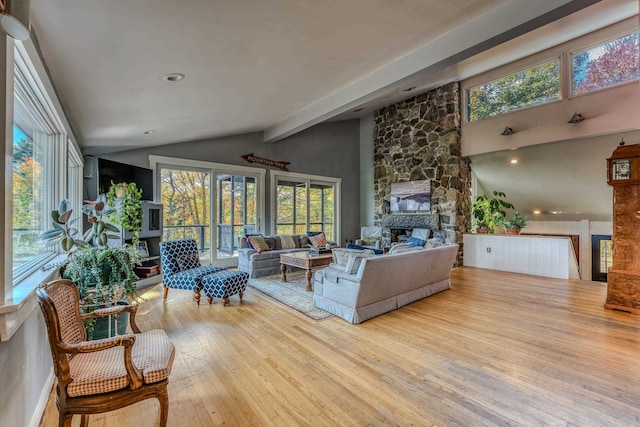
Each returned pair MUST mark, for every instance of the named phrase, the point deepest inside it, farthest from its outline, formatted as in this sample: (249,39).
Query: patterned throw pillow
(258,243)
(186,262)
(318,241)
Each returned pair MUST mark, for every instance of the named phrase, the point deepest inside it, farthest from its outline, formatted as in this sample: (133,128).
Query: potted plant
(489,211)
(129,207)
(104,275)
(515,224)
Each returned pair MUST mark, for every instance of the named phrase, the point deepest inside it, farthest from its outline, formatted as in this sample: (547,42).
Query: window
(533,86)
(608,64)
(304,203)
(46,167)
(213,203)
(28,197)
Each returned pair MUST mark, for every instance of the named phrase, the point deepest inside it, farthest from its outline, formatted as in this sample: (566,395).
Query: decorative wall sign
(254,159)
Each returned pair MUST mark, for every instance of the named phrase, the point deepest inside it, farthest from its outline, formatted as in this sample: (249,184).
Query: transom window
(609,64)
(533,86)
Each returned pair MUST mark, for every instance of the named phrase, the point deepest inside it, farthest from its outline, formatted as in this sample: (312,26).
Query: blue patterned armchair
(181,267)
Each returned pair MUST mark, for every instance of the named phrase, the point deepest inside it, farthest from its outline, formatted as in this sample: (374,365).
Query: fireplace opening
(399,235)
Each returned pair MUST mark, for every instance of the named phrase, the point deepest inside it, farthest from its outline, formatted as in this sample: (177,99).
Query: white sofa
(383,283)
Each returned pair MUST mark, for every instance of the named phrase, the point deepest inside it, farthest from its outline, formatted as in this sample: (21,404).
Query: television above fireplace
(411,196)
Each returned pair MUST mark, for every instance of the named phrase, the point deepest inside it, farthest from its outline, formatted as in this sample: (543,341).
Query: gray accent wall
(328,149)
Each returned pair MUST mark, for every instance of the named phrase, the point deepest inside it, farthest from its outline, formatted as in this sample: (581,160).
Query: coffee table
(304,260)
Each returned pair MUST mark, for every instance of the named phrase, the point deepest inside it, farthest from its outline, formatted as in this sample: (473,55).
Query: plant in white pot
(104,275)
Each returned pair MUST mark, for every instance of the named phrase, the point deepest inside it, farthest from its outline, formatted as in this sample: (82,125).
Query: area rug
(291,293)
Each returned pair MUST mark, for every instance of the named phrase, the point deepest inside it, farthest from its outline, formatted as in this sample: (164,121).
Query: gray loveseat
(266,263)
(383,283)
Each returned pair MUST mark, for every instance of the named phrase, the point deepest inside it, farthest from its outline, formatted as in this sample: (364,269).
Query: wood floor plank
(496,349)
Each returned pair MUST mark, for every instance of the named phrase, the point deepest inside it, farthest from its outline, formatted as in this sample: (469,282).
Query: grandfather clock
(623,278)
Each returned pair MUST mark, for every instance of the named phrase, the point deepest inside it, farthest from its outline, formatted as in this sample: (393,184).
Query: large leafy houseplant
(104,275)
(129,207)
(490,211)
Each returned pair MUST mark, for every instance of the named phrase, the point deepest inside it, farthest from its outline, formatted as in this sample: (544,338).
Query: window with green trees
(533,86)
(608,64)
(303,206)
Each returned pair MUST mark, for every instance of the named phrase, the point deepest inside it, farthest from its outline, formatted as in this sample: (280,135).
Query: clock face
(622,169)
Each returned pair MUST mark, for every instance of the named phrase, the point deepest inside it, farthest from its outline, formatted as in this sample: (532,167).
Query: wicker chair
(107,374)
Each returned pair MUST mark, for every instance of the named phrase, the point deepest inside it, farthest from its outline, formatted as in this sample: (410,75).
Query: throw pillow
(414,242)
(304,241)
(397,248)
(258,243)
(188,261)
(341,255)
(286,241)
(370,241)
(271,241)
(420,233)
(313,233)
(355,259)
(318,241)
(432,243)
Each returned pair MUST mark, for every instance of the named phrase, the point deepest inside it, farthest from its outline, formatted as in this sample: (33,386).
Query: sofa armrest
(246,252)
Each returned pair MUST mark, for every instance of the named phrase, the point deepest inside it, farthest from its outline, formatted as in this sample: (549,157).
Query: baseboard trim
(42,401)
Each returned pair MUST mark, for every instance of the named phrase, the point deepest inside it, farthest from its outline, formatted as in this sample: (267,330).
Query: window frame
(541,61)
(308,180)
(569,60)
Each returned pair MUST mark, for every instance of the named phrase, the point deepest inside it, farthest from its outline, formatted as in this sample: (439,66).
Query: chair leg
(163,398)
(64,419)
(197,295)
(84,420)
(210,299)
(166,292)
(225,302)
(241,295)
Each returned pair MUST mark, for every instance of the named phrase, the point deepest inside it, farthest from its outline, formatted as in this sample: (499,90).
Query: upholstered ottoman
(223,284)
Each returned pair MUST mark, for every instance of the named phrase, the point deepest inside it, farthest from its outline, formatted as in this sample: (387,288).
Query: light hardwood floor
(496,349)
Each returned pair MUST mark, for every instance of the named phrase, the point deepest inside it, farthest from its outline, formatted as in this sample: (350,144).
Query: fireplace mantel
(410,221)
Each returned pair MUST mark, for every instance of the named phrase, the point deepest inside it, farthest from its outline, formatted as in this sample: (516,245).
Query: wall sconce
(576,118)
(507,131)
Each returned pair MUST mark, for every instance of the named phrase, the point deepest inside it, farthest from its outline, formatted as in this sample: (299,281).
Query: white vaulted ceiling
(276,66)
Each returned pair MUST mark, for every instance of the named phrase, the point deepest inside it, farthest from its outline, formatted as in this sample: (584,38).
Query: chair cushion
(104,371)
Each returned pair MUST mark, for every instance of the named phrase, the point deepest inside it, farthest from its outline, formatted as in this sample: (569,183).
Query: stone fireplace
(417,139)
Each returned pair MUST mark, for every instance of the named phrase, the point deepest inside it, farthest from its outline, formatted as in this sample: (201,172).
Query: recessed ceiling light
(536,212)
(174,77)
(149,132)
(514,161)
